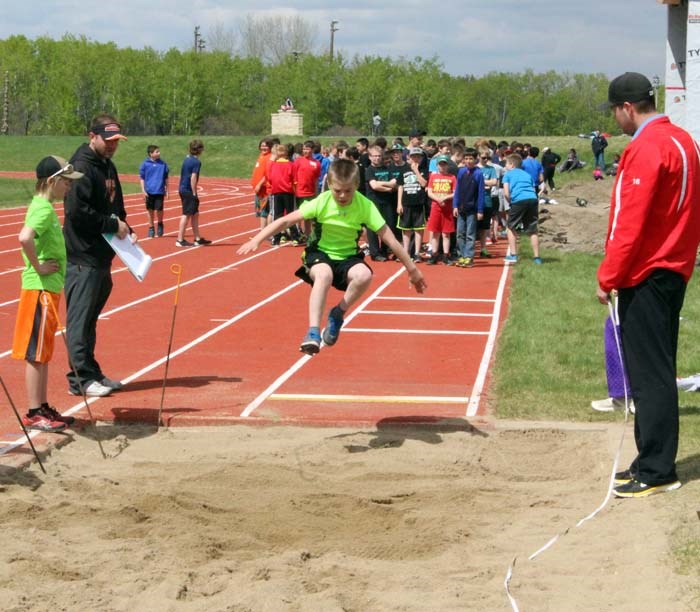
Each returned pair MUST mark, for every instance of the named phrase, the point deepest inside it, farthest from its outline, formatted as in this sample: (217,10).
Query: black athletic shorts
(154,201)
(340,269)
(485,223)
(412,218)
(525,212)
(190,203)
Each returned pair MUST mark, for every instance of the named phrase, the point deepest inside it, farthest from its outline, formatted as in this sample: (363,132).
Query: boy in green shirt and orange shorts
(44,254)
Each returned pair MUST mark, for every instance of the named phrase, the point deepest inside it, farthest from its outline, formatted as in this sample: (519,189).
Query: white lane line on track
(443,332)
(11,270)
(138,224)
(169,289)
(174,253)
(473,406)
(369,399)
(473,400)
(425,314)
(250,408)
(173,354)
(420,298)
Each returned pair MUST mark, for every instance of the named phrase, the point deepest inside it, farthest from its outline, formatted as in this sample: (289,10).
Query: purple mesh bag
(614,370)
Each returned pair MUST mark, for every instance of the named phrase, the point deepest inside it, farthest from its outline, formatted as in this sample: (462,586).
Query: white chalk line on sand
(611,482)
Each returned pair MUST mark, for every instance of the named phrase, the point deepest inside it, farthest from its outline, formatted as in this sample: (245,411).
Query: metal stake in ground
(45,300)
(24,429)
(177,270)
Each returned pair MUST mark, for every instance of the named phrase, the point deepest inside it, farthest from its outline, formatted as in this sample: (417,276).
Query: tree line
(55,87)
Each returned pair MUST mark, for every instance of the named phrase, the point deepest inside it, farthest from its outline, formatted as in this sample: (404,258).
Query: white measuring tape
(509,574)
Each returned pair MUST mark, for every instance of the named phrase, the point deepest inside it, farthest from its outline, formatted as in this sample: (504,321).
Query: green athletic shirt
(42,218)
(338,228)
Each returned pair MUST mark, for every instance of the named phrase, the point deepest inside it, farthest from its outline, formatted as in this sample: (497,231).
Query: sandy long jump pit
(285,518)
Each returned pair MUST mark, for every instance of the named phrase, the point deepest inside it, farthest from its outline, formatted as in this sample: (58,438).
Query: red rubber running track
(401,357)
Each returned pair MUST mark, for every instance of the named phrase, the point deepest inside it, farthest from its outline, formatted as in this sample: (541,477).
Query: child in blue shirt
(189,180)
(520,192)
(154,186)
(468,203)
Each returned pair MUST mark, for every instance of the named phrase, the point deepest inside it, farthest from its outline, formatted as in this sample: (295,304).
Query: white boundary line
(73,409)
(152,296)
(473,405)
(425,314)
(420,298)
(444,332)
(250,408)
(370,399)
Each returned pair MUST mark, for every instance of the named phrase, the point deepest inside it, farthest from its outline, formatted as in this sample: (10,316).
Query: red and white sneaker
(54,415)
(41,423)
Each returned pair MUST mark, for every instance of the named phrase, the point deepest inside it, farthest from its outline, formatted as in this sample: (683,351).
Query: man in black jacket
(598,145)
(93,206)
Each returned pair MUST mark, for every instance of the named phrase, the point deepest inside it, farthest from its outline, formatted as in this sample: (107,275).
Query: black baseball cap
(628,87)
(108,131)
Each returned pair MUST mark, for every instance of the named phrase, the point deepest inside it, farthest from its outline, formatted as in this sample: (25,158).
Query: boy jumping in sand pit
(332,256)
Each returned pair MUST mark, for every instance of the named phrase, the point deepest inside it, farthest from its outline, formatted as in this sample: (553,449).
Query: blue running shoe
(311,344)
(335,322)
(537,261)
(511,259)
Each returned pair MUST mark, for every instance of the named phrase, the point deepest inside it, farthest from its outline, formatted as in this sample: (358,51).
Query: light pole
(655,81)
(333,31)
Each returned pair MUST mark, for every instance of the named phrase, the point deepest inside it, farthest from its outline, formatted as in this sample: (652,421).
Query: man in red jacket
(652,241)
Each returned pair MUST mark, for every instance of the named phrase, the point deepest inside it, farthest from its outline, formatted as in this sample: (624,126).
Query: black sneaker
(52,414)
(379,258)
(183,243)
(635,488)
(151,232)
(417,258)
(160,230)
(202,241)
(433,261)
(624,476)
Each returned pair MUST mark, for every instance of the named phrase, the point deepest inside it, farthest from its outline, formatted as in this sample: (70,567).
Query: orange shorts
(35,328)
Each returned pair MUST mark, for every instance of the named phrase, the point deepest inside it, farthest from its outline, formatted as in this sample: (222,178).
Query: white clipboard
(132,255)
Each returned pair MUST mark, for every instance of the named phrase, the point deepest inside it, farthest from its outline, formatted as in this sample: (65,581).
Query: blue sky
(467,36)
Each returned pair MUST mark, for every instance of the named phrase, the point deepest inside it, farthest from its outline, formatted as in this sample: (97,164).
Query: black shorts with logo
(340,268)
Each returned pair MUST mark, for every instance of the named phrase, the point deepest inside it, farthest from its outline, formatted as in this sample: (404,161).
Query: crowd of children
(455,191)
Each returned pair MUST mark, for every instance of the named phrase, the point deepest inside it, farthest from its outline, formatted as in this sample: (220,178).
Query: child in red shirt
(280,175)
(441,188)
(307,171)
